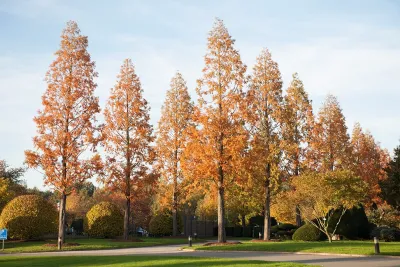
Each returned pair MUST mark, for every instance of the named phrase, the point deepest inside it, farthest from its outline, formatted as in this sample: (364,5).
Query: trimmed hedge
(308,232)
(104,220)
(29,217)
(353,225)
(161,224)
(386,233)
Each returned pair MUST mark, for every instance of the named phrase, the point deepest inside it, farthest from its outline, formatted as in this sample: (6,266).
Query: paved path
(174,250)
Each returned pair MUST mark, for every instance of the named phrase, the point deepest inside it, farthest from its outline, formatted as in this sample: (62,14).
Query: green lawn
(338,247)
(88,244)
(133,261)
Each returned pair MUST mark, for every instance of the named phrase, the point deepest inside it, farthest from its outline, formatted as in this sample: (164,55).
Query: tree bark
(174,218)
(267,212)
(221,212)
(61,221)
(298,217)
(175,198)
(126,217)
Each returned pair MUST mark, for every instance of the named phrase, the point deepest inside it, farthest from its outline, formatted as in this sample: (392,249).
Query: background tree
(330,143)
(176,115)
(12,174)
(217,142)
(66,126)
(319,194)
(297,125)
(391,186)
(264,117)
(369,162)
(127,138)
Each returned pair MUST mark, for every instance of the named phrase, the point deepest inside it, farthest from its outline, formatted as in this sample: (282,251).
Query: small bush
(259,220)
(274,229)
(391,234)
(353,225)
(386,233)
(161,224)
(307,232)
(287,226)
(29,217)
(104,220)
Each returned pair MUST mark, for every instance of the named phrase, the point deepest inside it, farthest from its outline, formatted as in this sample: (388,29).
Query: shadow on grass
(126,261)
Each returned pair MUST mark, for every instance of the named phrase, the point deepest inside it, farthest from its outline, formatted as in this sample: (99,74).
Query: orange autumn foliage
(171,140)
(265,108)
(330,143)
(218,141)
(369,162)
(66,126)
(127,138)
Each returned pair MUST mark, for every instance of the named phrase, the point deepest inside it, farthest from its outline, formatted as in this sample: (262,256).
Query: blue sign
(3,234)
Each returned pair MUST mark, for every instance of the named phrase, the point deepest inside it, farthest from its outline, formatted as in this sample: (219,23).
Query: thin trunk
(175,196)
(221,211)
(127,211)
(296,173)
(267,213)
(126,217)
(329,237)
(61,221)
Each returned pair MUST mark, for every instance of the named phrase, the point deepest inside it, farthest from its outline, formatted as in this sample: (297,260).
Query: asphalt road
(174,250)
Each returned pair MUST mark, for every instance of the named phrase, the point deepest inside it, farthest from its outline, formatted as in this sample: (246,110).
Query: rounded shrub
(161,224)
(29,217)
(104,220)
(307,232)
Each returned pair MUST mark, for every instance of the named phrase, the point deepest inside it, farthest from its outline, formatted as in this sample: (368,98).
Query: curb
(297,253)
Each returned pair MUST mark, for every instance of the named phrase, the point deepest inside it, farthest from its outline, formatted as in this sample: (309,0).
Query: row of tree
(244,140)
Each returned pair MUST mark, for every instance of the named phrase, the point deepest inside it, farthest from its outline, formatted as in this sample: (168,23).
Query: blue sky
(347,48)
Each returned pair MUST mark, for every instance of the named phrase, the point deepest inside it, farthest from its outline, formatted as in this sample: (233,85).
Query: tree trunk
(126,217)
(175,198)
(61,221)
(243,224)
(329,237)
(221,214)
(267,213)
(174,218)
(298,217)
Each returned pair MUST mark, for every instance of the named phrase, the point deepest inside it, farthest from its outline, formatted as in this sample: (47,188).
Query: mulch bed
(129,240)
(64,245)
(262,241)
(221,244)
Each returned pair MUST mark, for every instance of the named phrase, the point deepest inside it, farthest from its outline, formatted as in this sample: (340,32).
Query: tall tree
(264,117)
(391,186)
(296,129)
(176,116)
(330,143)
(66,125)
(127,138)
(217,142)
(369,162)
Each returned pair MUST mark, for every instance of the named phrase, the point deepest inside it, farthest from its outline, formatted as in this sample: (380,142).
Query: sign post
(3,236)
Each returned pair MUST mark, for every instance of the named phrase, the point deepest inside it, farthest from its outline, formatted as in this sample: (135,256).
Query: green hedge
(161,224)
(104,220)
(353,225)
(308,232)
(29,217)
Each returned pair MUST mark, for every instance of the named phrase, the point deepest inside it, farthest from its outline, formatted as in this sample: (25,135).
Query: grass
(134,261)
(337,247)
(88,244)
